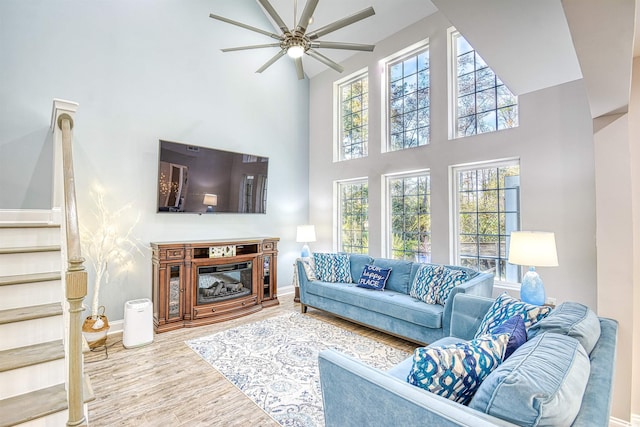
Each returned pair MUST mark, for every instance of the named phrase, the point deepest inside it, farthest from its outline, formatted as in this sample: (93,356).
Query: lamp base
(306,253)
(532,289)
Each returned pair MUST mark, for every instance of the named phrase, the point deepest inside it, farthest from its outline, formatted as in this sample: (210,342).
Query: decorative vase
(94,329)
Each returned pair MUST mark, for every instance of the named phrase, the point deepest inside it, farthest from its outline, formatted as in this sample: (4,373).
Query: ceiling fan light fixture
(295,51)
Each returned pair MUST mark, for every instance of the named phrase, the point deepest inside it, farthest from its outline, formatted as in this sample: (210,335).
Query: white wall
(554,143)
(143,71)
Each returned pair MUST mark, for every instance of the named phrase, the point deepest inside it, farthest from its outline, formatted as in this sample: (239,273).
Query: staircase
(32,355)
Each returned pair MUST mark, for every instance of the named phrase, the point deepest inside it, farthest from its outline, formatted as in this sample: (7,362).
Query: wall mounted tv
(203,180)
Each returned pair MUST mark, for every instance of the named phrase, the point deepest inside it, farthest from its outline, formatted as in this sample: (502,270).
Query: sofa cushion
(400,273)
(573,319)
(332,267)
(358,261)
(506,306)
(374,277)
(456,371)
(424,286)
(517,334)
(389,303)
(541,384)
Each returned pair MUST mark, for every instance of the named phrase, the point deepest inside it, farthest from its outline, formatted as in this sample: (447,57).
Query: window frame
(388,229)
(385,63)
(339,211)
(454,185)
(337,116)
(452,73)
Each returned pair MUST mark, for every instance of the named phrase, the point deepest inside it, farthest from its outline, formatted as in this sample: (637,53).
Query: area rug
(275,362)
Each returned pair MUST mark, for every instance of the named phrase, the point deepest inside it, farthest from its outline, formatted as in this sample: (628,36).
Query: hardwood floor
(166,384)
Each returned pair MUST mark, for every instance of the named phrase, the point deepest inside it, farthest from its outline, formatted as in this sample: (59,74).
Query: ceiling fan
(296,41)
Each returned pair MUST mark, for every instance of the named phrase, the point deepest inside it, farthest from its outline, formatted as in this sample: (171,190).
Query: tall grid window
(353,216)
(408,88)
(410,217)
(353,99)
(487,210)
(482,101)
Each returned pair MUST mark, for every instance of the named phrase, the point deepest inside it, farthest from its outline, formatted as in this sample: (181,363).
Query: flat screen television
(201,180)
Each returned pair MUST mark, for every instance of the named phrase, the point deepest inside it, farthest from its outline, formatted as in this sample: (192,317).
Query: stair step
(30,278)
(28,225)
(30,249)
(37,404)
(31,355)
(29,313)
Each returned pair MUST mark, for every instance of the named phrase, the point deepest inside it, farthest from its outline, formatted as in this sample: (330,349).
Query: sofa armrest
(481,285)
(467,314)
(355,395)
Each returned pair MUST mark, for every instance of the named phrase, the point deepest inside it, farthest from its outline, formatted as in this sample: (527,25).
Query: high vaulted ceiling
(530,44)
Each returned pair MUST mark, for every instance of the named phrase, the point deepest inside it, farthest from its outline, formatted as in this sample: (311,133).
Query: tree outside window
(354,216)
(353,118)
(482,101)
(408,89)
(488,210)
(410,219)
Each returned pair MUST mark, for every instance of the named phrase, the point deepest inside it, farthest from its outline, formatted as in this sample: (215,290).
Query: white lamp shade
(306,233)
(210,199)
(533,248)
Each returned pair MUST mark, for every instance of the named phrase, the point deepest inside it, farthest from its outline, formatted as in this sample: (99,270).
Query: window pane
(410,234)
(412,88)
(353,207)
(484,103)
(354,118)
(488,208)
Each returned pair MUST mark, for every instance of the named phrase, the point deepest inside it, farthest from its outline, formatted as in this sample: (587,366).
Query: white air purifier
(138,323)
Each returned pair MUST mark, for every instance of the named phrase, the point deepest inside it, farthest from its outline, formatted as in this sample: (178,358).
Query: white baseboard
(616,422)
(115,327)
(635,420)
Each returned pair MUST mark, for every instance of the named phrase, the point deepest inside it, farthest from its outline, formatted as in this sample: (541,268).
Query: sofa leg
(303,308)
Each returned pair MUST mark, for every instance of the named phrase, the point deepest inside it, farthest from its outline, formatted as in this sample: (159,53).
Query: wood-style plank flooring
(166,384)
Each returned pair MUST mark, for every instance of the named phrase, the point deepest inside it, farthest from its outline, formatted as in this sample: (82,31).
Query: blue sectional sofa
(393,310)
(562,375)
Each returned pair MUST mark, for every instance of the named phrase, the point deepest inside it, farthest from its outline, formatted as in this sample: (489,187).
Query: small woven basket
(96,337)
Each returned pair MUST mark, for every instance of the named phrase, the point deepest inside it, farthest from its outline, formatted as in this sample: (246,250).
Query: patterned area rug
(275,362)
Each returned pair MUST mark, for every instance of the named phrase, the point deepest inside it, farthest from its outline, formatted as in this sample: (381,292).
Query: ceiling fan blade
(326,61)
(307,13)
(340,45)
(245,26)
(358,16)
(272,60)
(274,15)
(299,68)
(255,46)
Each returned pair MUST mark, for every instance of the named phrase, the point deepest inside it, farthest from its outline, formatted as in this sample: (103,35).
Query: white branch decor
(105,245)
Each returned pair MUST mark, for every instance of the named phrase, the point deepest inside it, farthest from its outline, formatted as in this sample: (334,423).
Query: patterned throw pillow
(517,334)
(374,277)
(307,264)
(332,267)
(449,280)
(424,283)
(506,306)
(456,371)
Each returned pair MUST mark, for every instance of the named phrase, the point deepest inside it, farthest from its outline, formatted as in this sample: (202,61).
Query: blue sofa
(355,394)
(393,310)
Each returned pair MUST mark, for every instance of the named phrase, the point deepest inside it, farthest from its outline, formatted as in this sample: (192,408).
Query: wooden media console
(207,281)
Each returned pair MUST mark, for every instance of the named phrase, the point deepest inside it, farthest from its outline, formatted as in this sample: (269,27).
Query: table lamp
(210,200)
(306,234)
(535,249)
